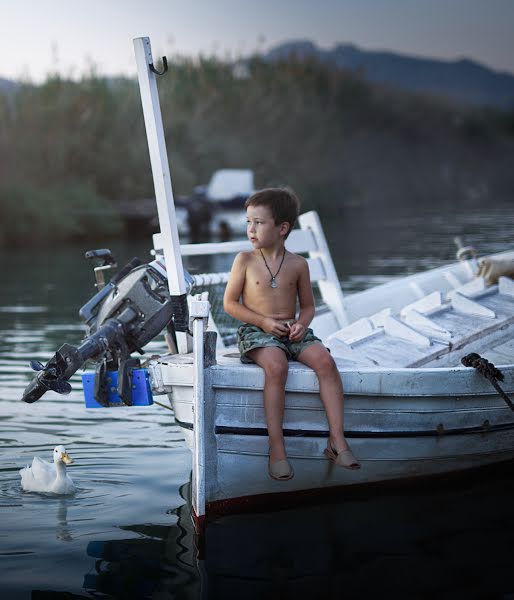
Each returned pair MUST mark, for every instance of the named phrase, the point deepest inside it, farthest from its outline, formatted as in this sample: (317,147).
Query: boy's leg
(318,358)
(275,365)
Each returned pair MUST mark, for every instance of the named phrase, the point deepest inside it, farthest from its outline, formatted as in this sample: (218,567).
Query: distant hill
(6,85)
(462,81)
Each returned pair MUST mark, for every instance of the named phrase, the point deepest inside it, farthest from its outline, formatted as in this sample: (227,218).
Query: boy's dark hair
(282,202)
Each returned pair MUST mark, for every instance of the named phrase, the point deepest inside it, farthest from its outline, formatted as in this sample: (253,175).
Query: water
(127,532)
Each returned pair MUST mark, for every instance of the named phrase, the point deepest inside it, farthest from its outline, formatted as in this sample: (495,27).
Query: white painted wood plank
(470,307)
(161,174)
(316,270)
(330,286)
(199,310)
(425,324)
(379,318)
(452,279)
(396,328)
(502,354)
(472,288)
(425,304)
(299,241)
(358,330)
(343,351)
(502,306)
(394,352)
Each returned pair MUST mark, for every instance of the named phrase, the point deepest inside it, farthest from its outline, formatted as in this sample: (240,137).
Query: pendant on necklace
(273,281)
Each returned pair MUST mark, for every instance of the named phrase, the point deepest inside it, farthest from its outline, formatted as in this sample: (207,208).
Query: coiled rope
(489,371)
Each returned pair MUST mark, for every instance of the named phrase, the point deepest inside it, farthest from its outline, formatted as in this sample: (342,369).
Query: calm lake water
(127,531)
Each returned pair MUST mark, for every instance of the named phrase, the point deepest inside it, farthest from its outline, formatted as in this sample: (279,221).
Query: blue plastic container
(141,389)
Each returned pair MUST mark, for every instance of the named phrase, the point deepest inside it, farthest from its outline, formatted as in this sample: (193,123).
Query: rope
(489,371)
(163,405)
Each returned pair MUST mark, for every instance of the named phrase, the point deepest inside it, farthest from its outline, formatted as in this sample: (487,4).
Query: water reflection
(440,539)
(63,529)
(159,563)
(433,541)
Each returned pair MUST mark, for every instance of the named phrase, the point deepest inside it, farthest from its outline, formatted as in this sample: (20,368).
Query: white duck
(47,477)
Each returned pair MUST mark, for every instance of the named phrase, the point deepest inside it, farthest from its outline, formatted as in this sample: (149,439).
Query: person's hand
(275,327)
(297,332)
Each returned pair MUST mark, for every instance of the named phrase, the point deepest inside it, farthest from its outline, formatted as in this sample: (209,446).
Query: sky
(70,36)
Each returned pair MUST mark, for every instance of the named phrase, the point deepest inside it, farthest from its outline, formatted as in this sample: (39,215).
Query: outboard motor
(124,315)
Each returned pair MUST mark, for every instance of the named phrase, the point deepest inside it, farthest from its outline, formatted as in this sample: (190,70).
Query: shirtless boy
(270,281)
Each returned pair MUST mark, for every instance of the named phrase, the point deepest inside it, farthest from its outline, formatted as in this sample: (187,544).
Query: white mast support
(329,287)
(199,315)
(161,173)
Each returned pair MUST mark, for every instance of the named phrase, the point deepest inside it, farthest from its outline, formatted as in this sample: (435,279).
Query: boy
(271,280)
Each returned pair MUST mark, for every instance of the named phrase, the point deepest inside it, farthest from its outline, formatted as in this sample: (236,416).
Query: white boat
(223,198)
(411,408)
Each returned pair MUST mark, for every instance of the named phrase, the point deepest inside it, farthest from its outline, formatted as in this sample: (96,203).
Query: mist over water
(127,532)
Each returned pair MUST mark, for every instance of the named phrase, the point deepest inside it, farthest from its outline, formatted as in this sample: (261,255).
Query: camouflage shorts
(250,337)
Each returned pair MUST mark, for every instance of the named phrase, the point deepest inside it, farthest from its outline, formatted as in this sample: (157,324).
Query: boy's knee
(325,365)
(277,370)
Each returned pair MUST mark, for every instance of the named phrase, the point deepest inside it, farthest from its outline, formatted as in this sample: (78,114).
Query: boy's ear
(284,228)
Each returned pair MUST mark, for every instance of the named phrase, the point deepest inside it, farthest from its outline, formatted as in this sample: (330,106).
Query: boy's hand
(274,327)
(297,332)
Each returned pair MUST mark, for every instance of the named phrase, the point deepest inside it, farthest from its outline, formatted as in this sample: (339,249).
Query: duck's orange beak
(66,458)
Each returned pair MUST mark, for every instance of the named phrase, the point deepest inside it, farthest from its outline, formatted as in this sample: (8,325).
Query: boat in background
(216,209)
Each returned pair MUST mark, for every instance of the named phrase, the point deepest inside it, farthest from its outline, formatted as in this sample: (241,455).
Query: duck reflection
(63,531)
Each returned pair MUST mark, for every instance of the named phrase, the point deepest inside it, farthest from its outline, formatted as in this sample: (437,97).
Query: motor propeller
(53,374)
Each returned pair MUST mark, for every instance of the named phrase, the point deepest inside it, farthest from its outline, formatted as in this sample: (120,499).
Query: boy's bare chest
(258,277)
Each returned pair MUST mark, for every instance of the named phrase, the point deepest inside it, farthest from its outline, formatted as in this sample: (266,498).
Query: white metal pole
(199,314)
(161,173)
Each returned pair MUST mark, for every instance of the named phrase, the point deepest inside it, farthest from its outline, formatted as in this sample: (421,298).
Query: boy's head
(282,203)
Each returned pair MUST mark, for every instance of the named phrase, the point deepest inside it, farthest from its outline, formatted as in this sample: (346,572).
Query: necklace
(273,281)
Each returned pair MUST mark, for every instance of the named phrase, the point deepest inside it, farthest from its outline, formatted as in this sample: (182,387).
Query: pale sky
(37,37)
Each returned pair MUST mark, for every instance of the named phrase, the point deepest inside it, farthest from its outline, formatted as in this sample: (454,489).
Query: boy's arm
(306,302)
(233,292)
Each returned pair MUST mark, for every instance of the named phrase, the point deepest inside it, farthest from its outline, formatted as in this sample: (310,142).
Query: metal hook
(164,67)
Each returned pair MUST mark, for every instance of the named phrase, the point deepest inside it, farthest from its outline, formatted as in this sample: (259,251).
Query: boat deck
(434,330)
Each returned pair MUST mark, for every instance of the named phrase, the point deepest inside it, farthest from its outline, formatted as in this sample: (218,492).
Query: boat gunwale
(404,381)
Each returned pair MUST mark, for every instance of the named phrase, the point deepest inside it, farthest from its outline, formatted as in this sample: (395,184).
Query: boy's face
(261,229)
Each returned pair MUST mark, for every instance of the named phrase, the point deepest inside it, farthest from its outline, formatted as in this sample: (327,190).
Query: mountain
(7,86)
(463,81)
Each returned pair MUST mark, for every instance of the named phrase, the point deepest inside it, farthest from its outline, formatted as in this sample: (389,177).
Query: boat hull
(403,423)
